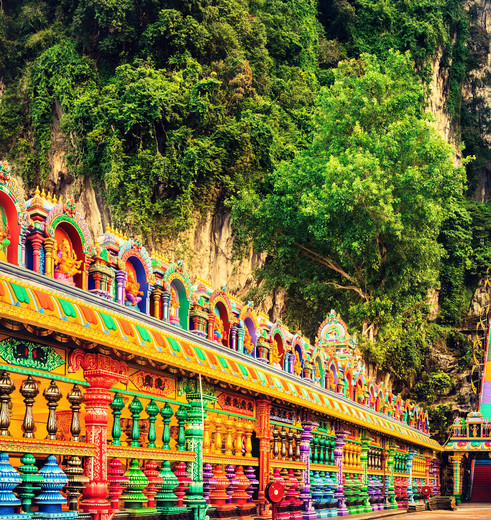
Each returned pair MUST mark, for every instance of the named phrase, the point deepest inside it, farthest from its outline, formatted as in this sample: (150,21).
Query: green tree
(358,213)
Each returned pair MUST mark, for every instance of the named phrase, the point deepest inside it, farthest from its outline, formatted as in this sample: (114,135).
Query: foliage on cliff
(358,213)
(173,106)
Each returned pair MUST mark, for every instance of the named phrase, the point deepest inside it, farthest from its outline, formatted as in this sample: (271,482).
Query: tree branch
(331,265)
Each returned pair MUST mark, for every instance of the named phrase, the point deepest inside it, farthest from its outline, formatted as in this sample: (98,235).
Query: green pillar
(117,406)
(365,442)
(166,413)
(152,411)
(198,397)
(390,463)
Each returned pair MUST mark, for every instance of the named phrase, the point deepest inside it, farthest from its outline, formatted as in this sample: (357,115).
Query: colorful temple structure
(469,446)
(128,390)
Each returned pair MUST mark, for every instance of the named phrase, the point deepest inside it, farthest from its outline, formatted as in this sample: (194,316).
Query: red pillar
(263,433)
(36,240)
(211,326)
(102,373)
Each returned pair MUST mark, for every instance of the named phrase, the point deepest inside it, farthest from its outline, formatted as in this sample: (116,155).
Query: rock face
(476,88)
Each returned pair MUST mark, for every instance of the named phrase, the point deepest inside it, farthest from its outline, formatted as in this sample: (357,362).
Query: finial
(43,194)
(37,192)
(59,200)
(54,199)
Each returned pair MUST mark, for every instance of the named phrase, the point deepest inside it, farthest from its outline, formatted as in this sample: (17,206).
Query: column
(36,240)
(338,461)
(365,446)
(120,285)
(390,463)
(240,339)
(456,460)
(49,244)
(166,305)
(211,325)
(305,496)
(410,457)
(263,410)
(233,337)
(194,499)
(102,373)
(156,299)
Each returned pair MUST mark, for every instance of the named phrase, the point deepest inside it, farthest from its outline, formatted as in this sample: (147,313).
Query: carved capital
(99,370)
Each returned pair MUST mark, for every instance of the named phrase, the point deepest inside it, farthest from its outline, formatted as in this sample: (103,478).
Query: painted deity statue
(274,355)
(4,240)
(248,344)
(174,307)
(297,366)
(66,263)
(219,330)
(132,290)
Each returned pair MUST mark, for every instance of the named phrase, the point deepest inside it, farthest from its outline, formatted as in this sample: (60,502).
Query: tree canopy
(358,213)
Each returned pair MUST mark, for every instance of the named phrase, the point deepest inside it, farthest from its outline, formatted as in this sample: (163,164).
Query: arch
(136,280)
(179,303)
(298,350)
(14,216)
(332,374)
(348,378)
(358,389)
(250,322)
(223,332)
(218,296)
(278,345)
(67,241)
(176,271)
(318,375)
(67,214)
(371,395)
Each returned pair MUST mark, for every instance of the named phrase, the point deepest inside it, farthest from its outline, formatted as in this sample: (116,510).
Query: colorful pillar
(305,496)
(338,461)
(240,339)
(391,495)
(166,295)
(365,446)
(456,460)
(410,457)
(263,433)
(156,299)
(120,285)
(196,415)
(102,373)
(36,240)
(49,244)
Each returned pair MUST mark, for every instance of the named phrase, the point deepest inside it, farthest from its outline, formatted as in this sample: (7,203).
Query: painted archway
(181,289)
(139,274)
(14,218)
(251,330)
(221,308)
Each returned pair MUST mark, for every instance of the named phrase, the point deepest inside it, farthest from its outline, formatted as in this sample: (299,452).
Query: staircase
(481,483)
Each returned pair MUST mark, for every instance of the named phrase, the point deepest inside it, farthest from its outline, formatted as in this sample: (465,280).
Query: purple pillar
(338,461)
(233,338)
(120,285)
(305,495)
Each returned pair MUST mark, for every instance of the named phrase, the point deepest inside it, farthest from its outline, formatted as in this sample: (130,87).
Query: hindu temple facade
(129,389)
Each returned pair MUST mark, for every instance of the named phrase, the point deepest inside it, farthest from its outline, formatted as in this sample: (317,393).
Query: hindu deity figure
(297,366)
(248,344)
(66,263)
(4,240)
(219,330)
(174,306)
(132,289)
(274,355)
